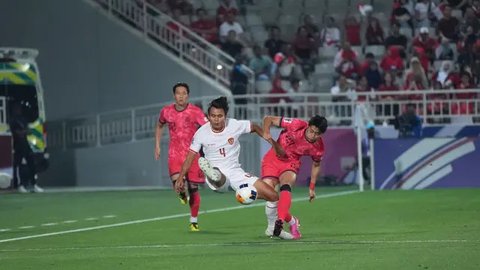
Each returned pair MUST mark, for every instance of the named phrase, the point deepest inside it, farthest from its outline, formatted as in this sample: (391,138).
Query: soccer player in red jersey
(298,138)
(183,120)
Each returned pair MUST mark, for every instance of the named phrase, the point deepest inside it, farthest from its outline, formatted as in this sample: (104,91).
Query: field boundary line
(256,244)
(139,221)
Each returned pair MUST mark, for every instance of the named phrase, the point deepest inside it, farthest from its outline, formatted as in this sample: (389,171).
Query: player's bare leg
(265,191)
(182,195)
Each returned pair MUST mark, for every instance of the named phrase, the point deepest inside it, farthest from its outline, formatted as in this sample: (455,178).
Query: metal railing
(175,37)
(139,123)
(3,111)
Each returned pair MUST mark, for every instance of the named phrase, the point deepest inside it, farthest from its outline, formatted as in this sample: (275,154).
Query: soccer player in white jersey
(219,139)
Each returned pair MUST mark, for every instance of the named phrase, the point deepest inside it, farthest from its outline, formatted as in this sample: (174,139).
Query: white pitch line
(109,216)
(91,219)
(265,243)
(69,221)
(49,224)
(139,221)
(26,227)
(5,230)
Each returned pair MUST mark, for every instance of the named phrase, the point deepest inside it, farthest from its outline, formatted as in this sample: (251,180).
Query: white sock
(292,221)
(193,220)
(271,212)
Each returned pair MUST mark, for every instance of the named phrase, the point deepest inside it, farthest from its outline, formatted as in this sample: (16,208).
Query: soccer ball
(246,194)
(5,180)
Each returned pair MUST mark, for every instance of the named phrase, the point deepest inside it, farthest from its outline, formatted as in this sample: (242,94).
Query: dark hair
(219,103)
(274,28)
(320,122)
(294,81)
(201,9)
(369,55)
(181,84)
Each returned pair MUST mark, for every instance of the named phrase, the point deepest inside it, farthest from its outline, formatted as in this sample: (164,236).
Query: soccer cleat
(37,189)
(294,229)
(212,173)
(22,189)
(278,227)
(183,198)
(283,234)
(194,227)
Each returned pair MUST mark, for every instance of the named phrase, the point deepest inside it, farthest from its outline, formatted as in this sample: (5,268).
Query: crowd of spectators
(428,45)
(431,45)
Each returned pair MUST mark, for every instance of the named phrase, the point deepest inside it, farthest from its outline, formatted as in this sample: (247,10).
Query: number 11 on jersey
(222,152)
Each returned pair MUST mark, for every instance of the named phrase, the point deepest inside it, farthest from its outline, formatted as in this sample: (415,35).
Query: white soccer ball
(5,180)
(246,194)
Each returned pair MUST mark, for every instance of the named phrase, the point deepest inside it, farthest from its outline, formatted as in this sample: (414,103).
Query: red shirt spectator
(423,57)
(388,85)
(392,61)
(352,31)
(374,34)
(226,7)
(205,27)
(277,89)
(424,41)
(369,58)
(173,25)
(303,45)
(464,107)
(346,62)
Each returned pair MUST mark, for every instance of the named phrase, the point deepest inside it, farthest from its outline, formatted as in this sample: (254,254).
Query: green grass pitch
(429,229)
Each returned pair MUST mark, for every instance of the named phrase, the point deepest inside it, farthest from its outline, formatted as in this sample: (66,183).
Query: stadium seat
(290,5)
(263,86)
(185,19)
(457,13)
(327,52)
(253,20)
(267,4)
(210,5)
(324,84)
(196,4)
(324,68)
(313,5)
(241,20)
(270,16)
(437,64)
(287,19)
(377,50)
(259,35)
(305,86)
(407,32)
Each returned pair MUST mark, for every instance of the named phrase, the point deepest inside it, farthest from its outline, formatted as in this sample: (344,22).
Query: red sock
(194,203)
(284,205)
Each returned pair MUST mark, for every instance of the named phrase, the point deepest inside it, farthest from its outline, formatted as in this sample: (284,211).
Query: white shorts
(235,178)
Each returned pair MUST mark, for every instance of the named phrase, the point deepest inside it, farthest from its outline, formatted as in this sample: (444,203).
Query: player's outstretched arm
(158,139)
(269,121)
(179,184)
(256,129)
(313,179)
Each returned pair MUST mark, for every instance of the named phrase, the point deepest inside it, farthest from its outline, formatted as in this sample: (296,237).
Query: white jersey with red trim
(222,149)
